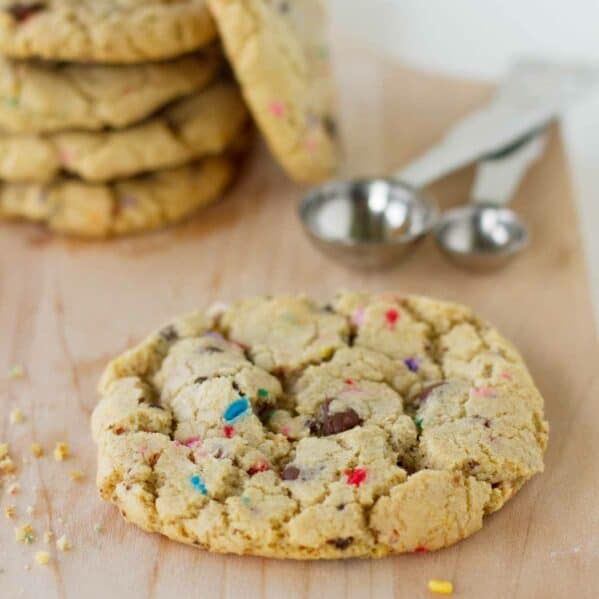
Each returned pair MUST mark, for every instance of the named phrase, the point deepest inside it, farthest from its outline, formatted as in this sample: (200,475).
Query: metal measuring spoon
(485,234)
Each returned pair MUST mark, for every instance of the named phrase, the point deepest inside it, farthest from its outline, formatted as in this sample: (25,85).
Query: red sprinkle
(392,317)
(356,476)
(258,468)
(349,382)
(229,431)
(420,549)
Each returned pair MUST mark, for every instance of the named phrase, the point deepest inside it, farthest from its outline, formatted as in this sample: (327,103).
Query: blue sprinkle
(237,409)
(199,484)
(412,364)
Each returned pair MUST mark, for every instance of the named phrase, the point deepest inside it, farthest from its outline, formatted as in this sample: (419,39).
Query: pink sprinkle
(66,157)
(229,431)
(483,392)
(392,316)
(507,375)
(177,443)
(192,442)
(357,317)
(277,109)
(356,476)
(285,430)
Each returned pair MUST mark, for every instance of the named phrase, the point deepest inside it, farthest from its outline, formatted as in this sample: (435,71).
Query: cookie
(287,428)
(129,206)
(40,97)
(111,31)
(198,125)
(277,53)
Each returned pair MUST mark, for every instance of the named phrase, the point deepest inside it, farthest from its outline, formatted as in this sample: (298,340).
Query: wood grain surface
(66,307)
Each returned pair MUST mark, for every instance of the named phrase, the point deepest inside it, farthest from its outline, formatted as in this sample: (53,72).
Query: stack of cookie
(123,134)
(117,116)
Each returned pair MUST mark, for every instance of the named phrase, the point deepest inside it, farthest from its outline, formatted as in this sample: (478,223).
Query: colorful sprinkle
(420,549)
(237,409)
(262,393)
(441,587)
(355,476)
(506,375)
(277,109)
(349,382)
(391,316)
(192,442)
(42,558)
(357,317)
(258,468)
(483,392)
(198,484)
(418,422)
(228,431)
(412,364)
(245,500)
(16,372)
(285,430)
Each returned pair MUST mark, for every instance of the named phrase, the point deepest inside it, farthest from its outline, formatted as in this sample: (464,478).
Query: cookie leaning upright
(111,31)
(278,55)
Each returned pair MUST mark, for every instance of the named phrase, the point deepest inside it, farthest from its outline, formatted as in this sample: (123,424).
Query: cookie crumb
(10,512)
(16,416)
(441,587)
(42,558)
(16,372)
(25,534)
(63,544)
(76,475)
(37,450)
(14,488)
(61,451)
(48,536)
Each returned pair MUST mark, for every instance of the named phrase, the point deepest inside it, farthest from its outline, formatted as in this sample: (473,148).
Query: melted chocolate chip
(331,424)
(342,543)
(341,507)
(340,421)
(495,485)
(169,333)
(290,473)
(423,395)
(23,12)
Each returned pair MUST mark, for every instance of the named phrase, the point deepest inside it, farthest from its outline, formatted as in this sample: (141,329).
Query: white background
(479,39)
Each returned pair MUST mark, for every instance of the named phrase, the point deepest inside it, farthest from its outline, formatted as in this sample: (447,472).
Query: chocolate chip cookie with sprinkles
(283,427)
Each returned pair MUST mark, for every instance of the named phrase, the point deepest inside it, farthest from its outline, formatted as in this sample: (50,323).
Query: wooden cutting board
(66,307)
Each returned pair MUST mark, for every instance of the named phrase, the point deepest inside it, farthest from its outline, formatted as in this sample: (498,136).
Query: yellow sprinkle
(76,474)
(61,451)
(37,450)
(16,372)
(48,536)
(42,558)
(16,416)
(25,534)
(3,450)
(10,511)
(441,587)
(63,544)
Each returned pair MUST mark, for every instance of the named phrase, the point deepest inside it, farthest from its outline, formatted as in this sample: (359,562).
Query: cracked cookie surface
(279,55)
(201,124)
(111,31)
(284,427)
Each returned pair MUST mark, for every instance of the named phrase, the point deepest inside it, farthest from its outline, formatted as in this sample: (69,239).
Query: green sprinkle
(418,422)
(266,416)
(29,539)
(262,393)
(13,102)
(245,500)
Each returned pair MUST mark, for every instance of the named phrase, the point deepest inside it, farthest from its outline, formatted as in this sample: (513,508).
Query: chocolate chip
(290,473)
(341,507)
(169,333)
(423,395)
(495,485)
(210,349)
(200,380)
(23,12)
(330,125)
(340,421)
(314,427)
(328,308)
(472,464)
(342,543)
